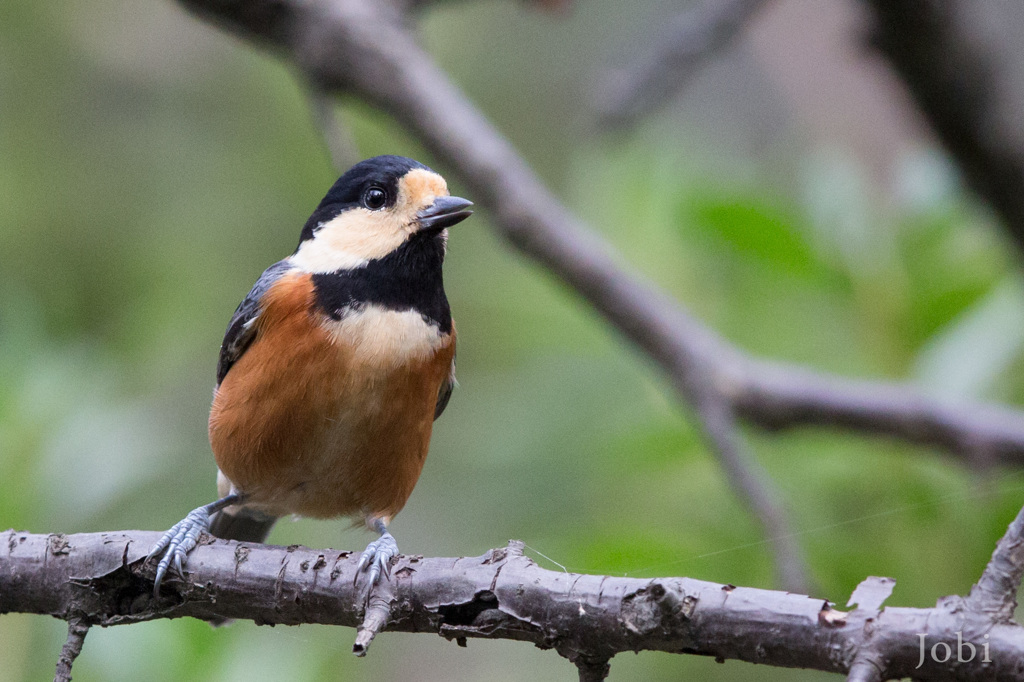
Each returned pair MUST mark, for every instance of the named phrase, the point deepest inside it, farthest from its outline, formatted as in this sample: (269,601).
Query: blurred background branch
(628,94)
(954,77)
(337,137)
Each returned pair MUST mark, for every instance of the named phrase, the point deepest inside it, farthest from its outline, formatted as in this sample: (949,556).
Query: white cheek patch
(386,338)
(317,256)
(359,235)
(349,241)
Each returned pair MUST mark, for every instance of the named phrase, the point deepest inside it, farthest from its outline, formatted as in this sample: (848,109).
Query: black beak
(444,212)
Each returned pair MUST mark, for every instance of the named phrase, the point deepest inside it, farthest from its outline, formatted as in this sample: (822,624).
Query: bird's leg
(184,535)
(377,556)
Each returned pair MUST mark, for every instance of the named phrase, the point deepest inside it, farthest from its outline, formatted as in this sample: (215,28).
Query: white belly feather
(384,339)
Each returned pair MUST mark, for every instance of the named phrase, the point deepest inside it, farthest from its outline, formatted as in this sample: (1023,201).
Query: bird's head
(372,210)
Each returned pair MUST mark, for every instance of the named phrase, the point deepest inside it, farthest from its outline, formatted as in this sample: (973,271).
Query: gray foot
(376,558)
(183,537)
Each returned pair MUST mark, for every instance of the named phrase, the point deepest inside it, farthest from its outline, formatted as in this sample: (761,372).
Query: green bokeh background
(151,167)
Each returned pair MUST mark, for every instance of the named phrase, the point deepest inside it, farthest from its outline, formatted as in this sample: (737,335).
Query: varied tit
(335,366)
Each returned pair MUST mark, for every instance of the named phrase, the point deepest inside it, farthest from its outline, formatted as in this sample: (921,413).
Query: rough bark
(103,579)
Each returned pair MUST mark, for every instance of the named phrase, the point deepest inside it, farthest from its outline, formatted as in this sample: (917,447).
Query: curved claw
(376,559)
(177,543)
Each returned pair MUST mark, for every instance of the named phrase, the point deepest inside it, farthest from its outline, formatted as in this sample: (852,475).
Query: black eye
(374,198)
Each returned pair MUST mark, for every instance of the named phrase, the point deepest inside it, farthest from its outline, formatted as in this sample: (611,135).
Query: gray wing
(241,329)
(445,394)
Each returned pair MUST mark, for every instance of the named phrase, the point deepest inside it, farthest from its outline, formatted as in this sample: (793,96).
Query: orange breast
(324,418)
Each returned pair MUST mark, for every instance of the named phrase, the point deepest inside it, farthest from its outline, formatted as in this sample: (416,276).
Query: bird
(334,367)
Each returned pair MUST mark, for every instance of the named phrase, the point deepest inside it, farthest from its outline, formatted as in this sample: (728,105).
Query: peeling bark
(102,579)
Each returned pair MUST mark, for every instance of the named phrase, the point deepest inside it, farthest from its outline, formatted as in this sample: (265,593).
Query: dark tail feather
(243,524)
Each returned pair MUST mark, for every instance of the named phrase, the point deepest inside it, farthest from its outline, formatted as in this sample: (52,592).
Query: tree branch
(378,609)
(952,77)
(690,38)
(865,668)
(104,578)
(77,630)
(592,671)
(781,396)
(341,146)
(995,594)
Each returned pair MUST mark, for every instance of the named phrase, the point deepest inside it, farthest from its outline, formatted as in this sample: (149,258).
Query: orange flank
(328,418)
